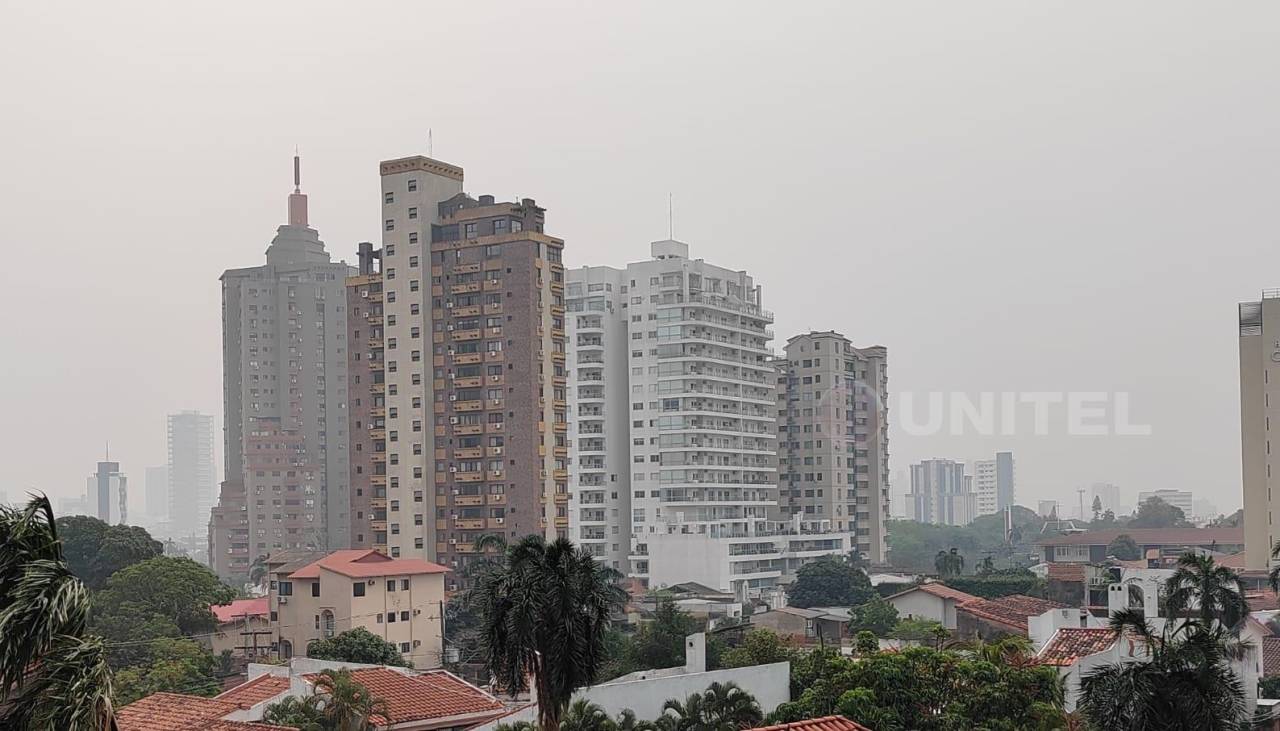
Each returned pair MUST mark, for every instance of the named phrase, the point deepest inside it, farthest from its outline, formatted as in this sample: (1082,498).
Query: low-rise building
(178,712)
(1091,546)
(244,628)
(398,599)
(990,619)
(933,601)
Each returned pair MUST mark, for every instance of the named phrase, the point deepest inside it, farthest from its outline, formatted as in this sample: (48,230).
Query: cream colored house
(397,599)
(243,628)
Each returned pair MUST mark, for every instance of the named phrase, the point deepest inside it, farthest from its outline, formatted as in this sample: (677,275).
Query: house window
(326,618)
(404,616)
(404,584)
(286,588)
(391,617)
(391,585)
(413,184)
(315,588)
(357,588)
(404,647)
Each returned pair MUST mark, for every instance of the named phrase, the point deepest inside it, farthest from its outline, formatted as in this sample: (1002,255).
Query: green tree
(258,569)
(926,689)
(721,707)
(583,715)
(174,665)
(304,714)
(916,630)
(866,643)
(949,563)
(758,647)
(829,582)
(357,645)
(95,550)
(1156,513)
(627,721)
(877,616)
(1185,684)
(660,643)
(177,589)
(544,611)
(1097,507)
(1215,591)
(1124,548)
(348,705)
(53,675)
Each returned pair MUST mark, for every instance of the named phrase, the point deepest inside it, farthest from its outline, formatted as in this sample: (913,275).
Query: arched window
(327,622)
(286,649)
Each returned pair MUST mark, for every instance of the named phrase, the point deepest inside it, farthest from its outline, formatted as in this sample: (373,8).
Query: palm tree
(1274,576)
(583,715)
(1187,682)
(627,721)
(52,673)
(258,569)
(721,707)
(347,705)
(1011,650)
(304,714)
(544,611)
(1216,590)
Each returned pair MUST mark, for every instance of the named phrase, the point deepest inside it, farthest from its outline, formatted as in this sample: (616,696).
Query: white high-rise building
(1180,499)
(1108,494)
(673,414)
(192,482)
(941,493)
(107,494)
(993,483)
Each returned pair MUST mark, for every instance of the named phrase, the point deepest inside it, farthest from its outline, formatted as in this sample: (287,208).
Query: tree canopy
(829,582)
(876,616)
(357,645)
(1156,513)
(94,550)
(164,588)
(1124,548)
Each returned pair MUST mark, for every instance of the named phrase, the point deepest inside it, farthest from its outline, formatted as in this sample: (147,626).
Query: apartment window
(390,224)
(517,226)
(357,588)
(413,261)
(500,226)
(413,184)
(404,616)
(391,585)
(413,213)
(315,588)
(390,198)
(391,617)
(404,647)
(413,237)
(492,250)
(470,230)
(404,584)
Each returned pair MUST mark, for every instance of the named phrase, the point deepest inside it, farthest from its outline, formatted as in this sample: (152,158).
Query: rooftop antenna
(429,144)
(297,171)
(107,458)
(671,222)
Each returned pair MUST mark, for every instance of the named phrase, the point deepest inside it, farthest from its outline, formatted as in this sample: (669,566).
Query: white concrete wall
(770,684)
(923,605)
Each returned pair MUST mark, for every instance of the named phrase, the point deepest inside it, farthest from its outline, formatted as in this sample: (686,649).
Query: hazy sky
(1009,196)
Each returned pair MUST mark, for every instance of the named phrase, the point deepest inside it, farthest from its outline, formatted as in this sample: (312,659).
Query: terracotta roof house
(933,600)
(177,712)
(987,619)
(1076,651)
(431,700)
(826,723)
(237,618)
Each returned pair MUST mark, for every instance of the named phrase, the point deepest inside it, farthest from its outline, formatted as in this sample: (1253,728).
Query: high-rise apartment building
(156,504)
(285,383)
(993,483)
(833,438)
(192,482)
(941,493)
(107,494)
(462,334)
(1259,323)
(674,404)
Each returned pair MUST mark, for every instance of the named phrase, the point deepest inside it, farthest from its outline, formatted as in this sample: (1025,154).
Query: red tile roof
(1152,537)
(434,694)
(826,723)
(1262,599)
(1234,561)
(940,590)
(358,563)
(237,609)
(1011,611)
(177,712)
(261,688)
(1069,644)
(1066,572)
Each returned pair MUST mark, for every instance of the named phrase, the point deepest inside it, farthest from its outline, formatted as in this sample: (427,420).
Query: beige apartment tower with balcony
(1259,357)
(457,325)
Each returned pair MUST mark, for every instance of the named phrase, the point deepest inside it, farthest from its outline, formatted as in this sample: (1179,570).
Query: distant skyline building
(107,494)
(833,438)
(941,493)
(1259,329)
(284,383)
(1108,494)
(993,483)
(192,484)
(156,489)
(1047,508)
(1181,499)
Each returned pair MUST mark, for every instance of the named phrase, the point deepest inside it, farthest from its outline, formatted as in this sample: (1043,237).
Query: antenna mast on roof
(671,221)
(429,145)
